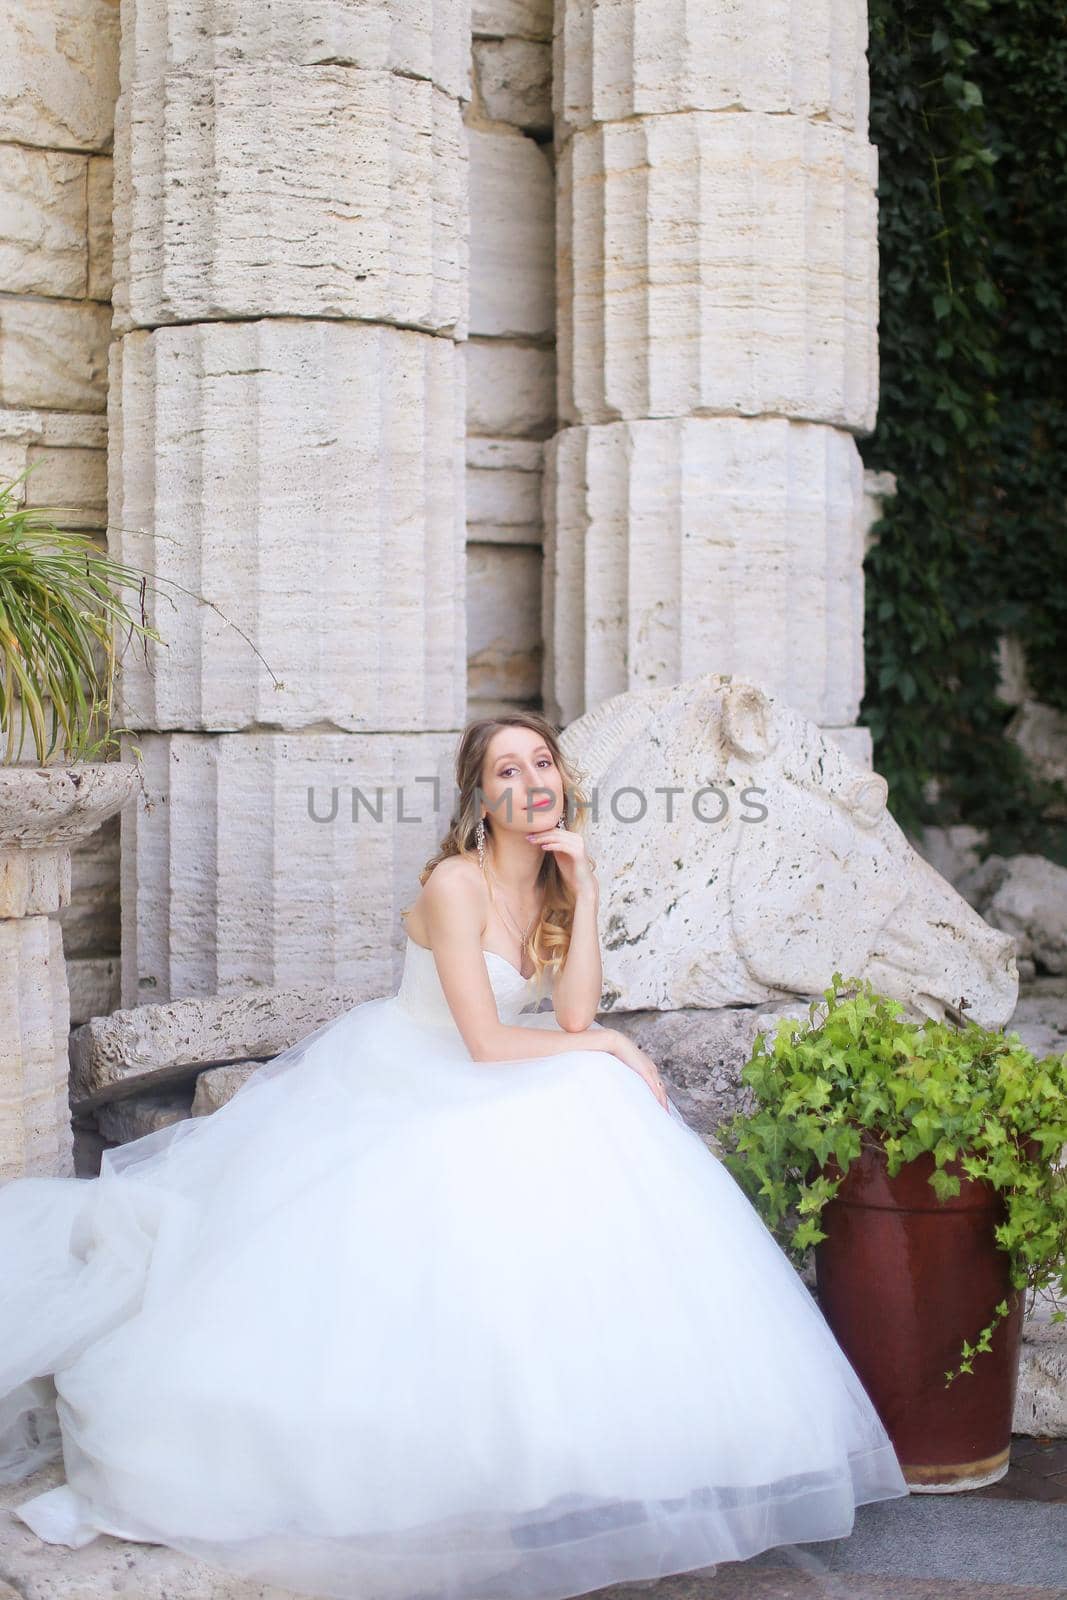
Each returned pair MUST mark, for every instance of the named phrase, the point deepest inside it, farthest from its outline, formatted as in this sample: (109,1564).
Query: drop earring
(479,839)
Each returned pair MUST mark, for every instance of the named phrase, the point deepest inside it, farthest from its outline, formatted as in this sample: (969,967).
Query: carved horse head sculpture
(744,858)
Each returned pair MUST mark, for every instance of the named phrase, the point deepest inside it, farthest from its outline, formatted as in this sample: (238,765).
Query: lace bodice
(421,994)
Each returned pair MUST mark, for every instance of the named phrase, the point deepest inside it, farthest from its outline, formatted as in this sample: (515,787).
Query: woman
(448,1300)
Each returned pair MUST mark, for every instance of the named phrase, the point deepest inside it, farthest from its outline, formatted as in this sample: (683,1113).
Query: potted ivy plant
(923,1162)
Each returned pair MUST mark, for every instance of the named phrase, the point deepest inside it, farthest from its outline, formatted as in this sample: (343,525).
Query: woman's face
(522,787)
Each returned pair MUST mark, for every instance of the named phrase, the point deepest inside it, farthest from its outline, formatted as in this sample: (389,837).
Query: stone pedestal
(43,812)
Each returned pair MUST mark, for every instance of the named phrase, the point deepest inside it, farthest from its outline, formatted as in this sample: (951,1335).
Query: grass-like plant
(61,614)
(966,1094)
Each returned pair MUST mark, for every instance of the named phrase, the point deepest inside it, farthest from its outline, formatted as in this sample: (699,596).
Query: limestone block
(271,189)
(152,1049)
(855,743)
(504,490)
(217,1085)
(718,262)
(302,482)
(953,852)
(59,73)
(1041,1397)
(271,858)
(43,221)
(744,859)
(504,622)
(515,82)
(1027,896)
(68,455)
(636,57)
(526,19)
(100,204)
(878,487)
(701,1055)
(53,354)
(133,1118)
(35,1130)
(512,204)
(510,388)
(95,986)
(1040,1018)
(33,883)
(90,920)
(1040,732)
(415,38)
(676,547)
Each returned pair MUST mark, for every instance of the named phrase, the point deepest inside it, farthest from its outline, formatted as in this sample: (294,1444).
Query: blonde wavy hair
(551,937)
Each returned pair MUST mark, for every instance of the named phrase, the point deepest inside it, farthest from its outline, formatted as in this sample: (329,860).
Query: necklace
(523,936)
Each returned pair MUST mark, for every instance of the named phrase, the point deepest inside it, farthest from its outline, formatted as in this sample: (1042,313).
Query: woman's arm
(576,990)
(452,907)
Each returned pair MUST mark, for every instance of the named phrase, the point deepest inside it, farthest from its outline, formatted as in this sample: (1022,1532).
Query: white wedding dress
(393,1323)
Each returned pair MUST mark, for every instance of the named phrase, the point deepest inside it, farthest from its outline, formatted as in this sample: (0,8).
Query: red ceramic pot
(903,1278)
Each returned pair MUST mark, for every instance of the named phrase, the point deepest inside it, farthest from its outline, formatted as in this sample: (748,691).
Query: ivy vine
(969,113)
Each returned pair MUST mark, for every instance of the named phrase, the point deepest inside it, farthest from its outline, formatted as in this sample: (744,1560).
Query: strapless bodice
(421,994)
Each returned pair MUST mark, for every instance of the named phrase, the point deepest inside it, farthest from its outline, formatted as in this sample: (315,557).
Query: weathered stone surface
(718,262)
(748,860)
(95,986)
(68,454)
(100,200)
(510,388)
(514,79)
(44,807)
(526,19)
(1040,732)
(675,547)
(106,1567)
(217,1085)
(53,354)
(91,920)
(123,1120)
(701,1054)
(35,1130)
(215,430)
(270,858)
(504,490)
(1041,1398)
(59,73)
(878,487)
(512,244)
(142,1049)
(43,221)
(1040,1018)
(636,57)
(504,623)
(415,38)
(1027,896)
(367,169)
(953,852)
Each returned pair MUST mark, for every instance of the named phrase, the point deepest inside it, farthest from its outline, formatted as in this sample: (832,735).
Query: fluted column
(717,346)
(287,456)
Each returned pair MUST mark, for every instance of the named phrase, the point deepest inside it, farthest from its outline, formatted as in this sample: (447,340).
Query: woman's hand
(569,851)
(636,1059)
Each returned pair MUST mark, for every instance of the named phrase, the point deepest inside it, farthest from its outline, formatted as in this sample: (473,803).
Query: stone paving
(1006,1542)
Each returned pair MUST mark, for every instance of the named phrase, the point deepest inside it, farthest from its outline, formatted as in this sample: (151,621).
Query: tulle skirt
(393,1323)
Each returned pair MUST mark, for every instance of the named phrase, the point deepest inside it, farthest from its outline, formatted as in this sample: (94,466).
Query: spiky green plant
(61,612)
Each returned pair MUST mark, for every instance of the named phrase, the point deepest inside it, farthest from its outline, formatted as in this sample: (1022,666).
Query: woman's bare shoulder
(454,877)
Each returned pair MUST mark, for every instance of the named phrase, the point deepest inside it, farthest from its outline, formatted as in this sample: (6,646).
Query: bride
(449,1300)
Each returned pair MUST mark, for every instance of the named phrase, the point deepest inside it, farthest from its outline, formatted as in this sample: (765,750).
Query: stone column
(511,380)
(287,455)
(59,71)
(717,344)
